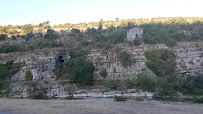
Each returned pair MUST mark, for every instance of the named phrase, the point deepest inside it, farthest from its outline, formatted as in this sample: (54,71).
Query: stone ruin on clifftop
(134,33)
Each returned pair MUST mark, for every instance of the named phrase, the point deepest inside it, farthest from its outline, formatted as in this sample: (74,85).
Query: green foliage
(117,36)
(75,31)
(70,89)
(198,100)
(9,69)
(144,82)
(50,43)
(64,83)
(65,70)
(27,29)
(29,35)
(137,42)
(85,43)
(50,34)
(6,48)
(119,98)
(13,37)
(4,88)
(83,71)
(193,85)
(28,75)
(151,65)
(37,92)
(126,59)
(111,84)
(103,73)
(171,42)
(6,72)
(3,36)
(161,62)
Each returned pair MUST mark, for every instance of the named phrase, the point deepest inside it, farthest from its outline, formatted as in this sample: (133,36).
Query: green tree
(27,29)
(144,82)
(83,71)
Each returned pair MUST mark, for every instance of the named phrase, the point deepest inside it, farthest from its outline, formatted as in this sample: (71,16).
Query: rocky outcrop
(40,66)
(189,59)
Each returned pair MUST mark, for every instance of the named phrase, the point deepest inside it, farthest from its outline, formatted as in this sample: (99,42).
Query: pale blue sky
(19,12)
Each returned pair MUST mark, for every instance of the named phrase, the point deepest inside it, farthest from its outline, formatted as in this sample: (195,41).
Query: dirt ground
(25,106)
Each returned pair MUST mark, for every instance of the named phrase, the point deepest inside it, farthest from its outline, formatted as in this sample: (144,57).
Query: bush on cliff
(28,75)
(161,62)
(6,72)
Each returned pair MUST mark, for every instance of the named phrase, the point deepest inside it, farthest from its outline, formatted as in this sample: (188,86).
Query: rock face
(189,59)
(134,33)
(40,66)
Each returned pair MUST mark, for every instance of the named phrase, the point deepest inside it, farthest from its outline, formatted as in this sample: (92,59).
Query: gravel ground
(25,106)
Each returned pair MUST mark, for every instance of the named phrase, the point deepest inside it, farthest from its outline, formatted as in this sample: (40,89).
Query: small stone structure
(134,33)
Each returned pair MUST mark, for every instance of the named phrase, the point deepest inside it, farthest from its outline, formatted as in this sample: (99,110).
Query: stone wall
(134,33)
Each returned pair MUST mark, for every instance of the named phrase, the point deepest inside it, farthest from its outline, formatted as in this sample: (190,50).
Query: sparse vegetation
(126,59)
(70,89)
(37,92)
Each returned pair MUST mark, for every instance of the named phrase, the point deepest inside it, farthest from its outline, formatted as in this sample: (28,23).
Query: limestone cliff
(189,59)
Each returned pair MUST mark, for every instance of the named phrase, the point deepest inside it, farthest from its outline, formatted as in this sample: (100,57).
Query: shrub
(3,36)
(13,37)
(85,43)
(50,34)
(103,73)
(6,48)
(83,71)
(152,66)
(70,89)
(27,28)
(4,88)
(198,100)
(9,69)
(28,75)
(119,98)
(29,35)
(136,41)
(75,31)
(144,82)
(161,62)
(126,59)
(193,85)
(111,84)
(37,92)
(171,42)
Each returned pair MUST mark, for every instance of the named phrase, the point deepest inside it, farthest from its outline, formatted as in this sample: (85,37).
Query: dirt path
(24,106)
